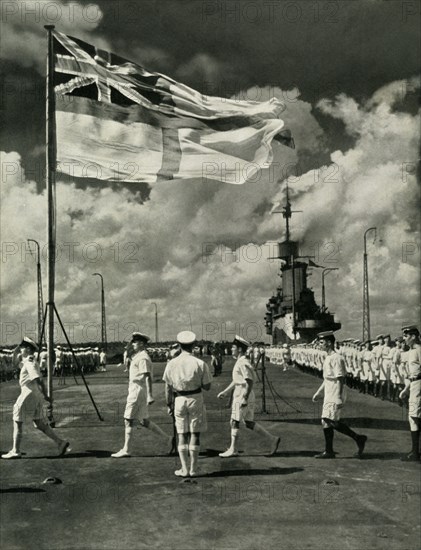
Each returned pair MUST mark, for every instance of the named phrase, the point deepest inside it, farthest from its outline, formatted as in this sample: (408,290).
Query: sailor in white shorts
(368,367)
(186,376)
(411,337)
(31,400)
(139,395)
(334,373)
(243,403)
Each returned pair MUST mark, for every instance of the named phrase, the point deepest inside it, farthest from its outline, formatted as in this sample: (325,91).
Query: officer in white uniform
(411,337)
(139,395)
(30,402)
(186,376)
(286,356)
(103,360)
(243,403)
(334,373)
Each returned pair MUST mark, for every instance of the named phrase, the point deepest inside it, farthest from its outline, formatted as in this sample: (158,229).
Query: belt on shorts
(187,392)
(415,378)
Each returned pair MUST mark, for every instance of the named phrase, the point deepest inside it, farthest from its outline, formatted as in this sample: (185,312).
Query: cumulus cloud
(23,35)
(373,184)
(200,250)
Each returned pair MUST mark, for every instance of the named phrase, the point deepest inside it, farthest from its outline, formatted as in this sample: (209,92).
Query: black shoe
(361,441)
(325,454)
(412,457)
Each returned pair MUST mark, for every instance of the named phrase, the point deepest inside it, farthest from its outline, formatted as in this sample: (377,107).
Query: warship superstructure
(292,313)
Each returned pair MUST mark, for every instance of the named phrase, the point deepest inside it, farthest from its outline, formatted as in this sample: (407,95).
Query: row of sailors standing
(279,355)
(87,360)
(8,364)
(377,367)
(82,359)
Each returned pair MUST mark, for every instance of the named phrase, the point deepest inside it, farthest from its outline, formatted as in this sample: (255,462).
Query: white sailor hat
(139,337)
(325,334)
(410,329)
(357,341)
(186,337)
(285,345)
(28,342)
(379,336)
(241,341)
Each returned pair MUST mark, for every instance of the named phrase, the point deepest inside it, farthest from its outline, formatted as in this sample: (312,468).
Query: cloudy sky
(347,73)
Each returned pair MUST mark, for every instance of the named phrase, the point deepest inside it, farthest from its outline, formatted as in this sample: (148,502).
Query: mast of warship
(292,313)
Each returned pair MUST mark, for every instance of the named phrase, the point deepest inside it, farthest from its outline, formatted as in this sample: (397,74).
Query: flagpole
(51,233)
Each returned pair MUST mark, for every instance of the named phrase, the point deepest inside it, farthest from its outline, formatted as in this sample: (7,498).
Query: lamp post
(39,290)
(366,301)
(103,319)
(324,272)
(156,321)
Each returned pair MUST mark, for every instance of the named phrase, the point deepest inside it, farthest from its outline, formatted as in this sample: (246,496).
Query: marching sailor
(411,337)
(186,376)
(30,402)
(334,373)
(243,403)
(139,395)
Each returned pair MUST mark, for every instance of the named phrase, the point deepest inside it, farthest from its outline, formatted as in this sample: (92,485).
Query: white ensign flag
(115,121)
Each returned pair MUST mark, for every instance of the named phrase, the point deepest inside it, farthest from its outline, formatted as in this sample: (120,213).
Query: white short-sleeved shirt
(29,371)
(396,356)
(140,365)
(333,369)
(186,372)
(367,356)
(414,365)
(386,353)
(242,371)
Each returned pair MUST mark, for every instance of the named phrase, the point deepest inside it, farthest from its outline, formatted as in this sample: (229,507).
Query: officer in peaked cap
(139,395)
(286,356)
(412,387)
(186,337)
(333,386)
(139,337)
(28,342)
(30,402)
(243,402)
(185,377)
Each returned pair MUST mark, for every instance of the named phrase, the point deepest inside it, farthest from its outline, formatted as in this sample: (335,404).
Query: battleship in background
(292,313)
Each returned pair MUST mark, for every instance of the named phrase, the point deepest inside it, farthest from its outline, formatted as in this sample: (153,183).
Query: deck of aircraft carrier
(289,500)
